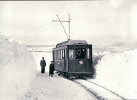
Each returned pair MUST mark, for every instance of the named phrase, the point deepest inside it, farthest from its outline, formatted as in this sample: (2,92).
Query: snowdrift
(117,71)
(17,69)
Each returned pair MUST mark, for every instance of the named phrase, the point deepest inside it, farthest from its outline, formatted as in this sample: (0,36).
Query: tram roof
(72,42)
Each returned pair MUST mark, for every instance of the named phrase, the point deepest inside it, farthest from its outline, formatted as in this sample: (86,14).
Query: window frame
(72,54)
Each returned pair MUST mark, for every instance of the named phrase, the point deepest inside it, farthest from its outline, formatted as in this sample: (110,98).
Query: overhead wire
(39,29)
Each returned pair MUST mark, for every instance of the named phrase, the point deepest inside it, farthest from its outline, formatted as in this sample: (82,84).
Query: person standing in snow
(51,69)
(43,65)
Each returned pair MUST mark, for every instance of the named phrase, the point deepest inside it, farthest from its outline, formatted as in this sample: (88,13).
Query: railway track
(99,91)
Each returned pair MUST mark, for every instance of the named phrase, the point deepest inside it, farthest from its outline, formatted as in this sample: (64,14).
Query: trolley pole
(69,25)
(61,21)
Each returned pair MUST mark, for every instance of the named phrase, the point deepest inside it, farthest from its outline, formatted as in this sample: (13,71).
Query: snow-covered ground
(56,88)
(116,70)
(17,69)
(100,92)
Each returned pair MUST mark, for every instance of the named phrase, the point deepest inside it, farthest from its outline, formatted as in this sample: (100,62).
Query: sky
(97,21)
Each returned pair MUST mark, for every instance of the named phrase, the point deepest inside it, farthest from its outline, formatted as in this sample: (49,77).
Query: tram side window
(71,54)
(56,55)
(80,53)
(59,54)
(63,54)
(88,55)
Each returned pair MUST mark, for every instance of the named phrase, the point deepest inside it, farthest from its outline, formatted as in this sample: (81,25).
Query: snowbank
(117,71)
(17,69)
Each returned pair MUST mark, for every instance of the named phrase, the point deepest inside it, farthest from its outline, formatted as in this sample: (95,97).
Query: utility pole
(61,21)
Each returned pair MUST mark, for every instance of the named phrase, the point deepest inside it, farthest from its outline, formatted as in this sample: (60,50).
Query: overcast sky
(98,21)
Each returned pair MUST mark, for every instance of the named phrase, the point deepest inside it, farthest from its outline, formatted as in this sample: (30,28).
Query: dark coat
(42,64)
(51,69)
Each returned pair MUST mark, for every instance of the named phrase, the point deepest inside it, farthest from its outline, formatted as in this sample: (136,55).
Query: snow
(56,88)
(101,93)
(117,71)
(17,69)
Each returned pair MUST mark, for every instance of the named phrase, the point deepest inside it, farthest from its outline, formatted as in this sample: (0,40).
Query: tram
(73,58)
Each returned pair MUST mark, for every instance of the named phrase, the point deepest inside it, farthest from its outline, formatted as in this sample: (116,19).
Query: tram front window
(80,53)
(71,54)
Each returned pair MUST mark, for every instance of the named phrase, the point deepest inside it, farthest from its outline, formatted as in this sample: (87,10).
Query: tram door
(71,62)
(80,59)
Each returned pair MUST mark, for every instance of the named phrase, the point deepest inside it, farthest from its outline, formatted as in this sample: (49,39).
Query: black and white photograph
(68,50)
